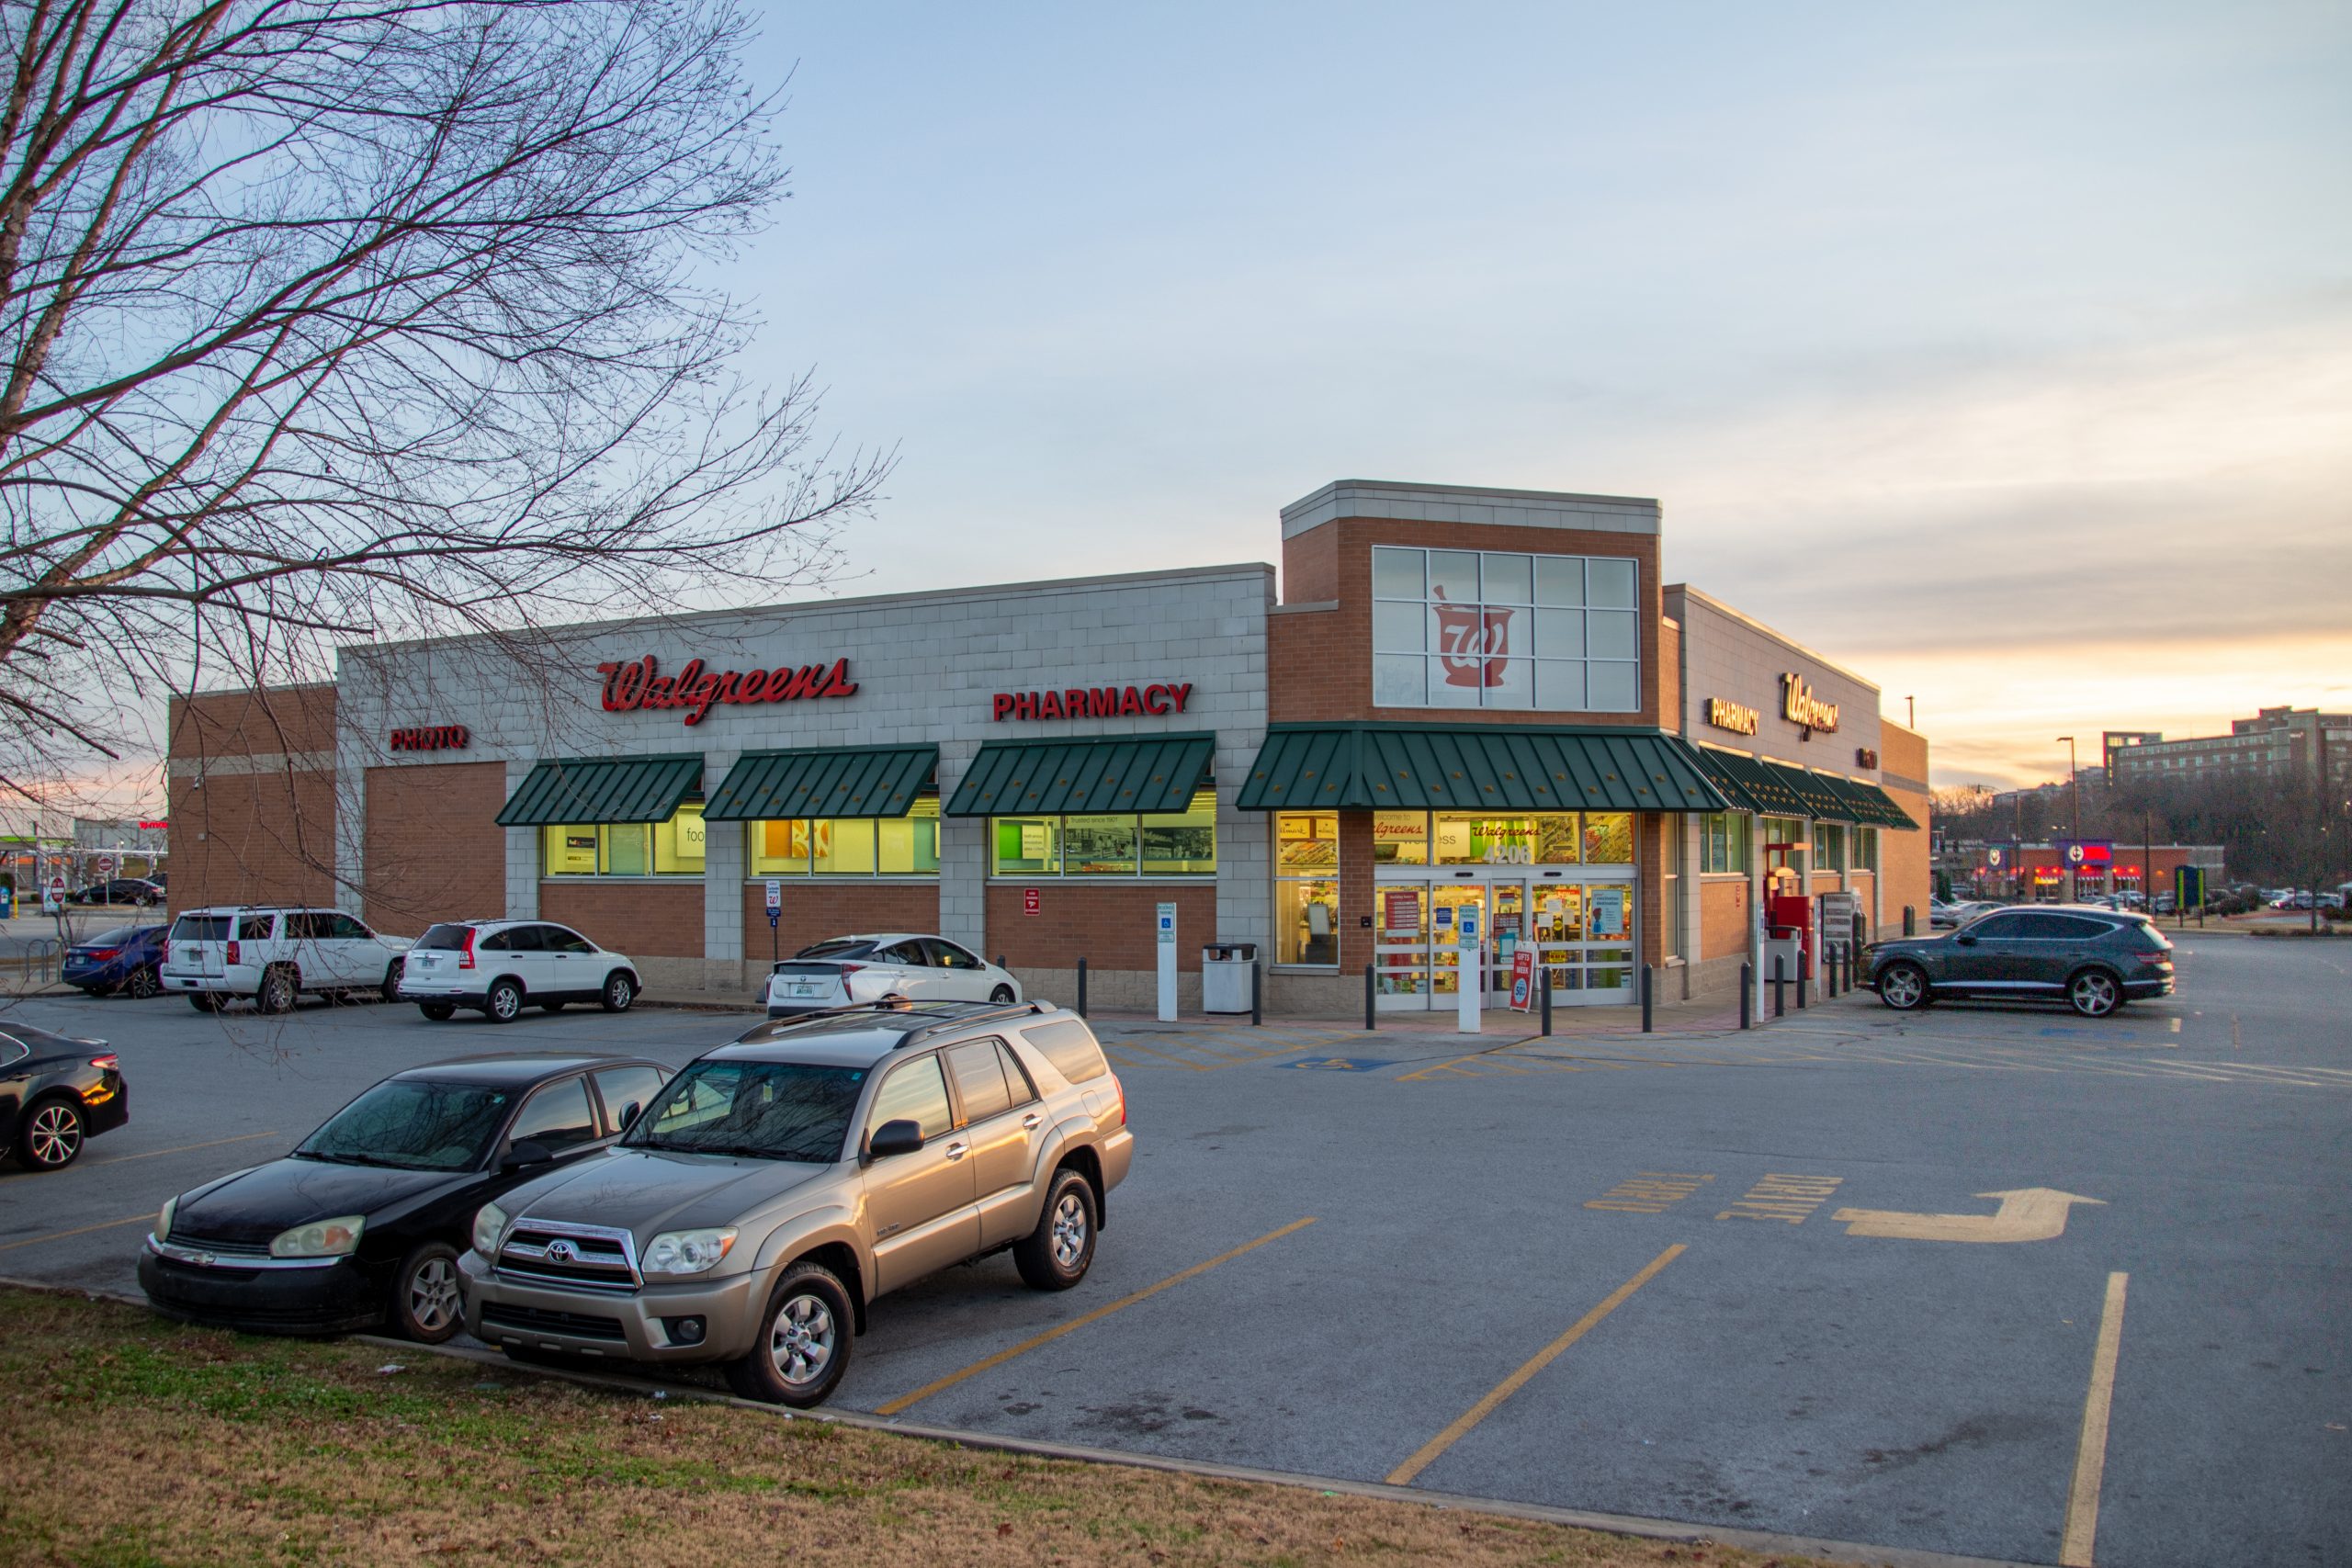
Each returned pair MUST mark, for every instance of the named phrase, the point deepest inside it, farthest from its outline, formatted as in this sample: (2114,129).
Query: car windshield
(413,1123)
(767,1110)
(839,947)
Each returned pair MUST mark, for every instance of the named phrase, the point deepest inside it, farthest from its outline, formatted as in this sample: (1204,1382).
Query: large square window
(1469,629)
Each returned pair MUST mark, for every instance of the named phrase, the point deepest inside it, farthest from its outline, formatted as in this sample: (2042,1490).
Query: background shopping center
(1463,696)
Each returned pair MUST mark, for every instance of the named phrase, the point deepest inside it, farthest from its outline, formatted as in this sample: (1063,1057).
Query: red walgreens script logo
(1472,641)
(637,684)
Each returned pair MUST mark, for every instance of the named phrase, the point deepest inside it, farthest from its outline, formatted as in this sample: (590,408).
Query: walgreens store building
(1462,696)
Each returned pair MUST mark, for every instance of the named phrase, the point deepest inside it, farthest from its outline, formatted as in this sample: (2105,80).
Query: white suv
(503,966)
(848,970)
(271,956)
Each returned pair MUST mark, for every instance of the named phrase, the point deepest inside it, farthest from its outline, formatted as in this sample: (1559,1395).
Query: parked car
(498,967)
(2093,959)
(133,890)
(782,1183)
(271,956)
(56,1094)
(129,959)
(363,1223)
(850,970)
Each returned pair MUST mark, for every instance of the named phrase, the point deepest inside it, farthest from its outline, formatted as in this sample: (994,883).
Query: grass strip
(136,1441)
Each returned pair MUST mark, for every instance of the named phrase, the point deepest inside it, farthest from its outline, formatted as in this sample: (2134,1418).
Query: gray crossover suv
(2093,959)
(777,1185)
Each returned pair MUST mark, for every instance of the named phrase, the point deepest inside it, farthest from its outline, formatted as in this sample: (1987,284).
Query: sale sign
(1522,980)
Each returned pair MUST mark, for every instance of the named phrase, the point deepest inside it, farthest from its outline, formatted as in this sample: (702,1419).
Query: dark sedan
(2093,959)
(135,890)
(129,959)
(56,1094)
(361,1225)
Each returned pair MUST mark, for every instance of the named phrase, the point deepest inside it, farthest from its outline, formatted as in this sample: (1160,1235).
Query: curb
(1630,1525)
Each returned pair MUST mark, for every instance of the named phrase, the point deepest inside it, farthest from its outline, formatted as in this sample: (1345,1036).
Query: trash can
(1224,976)
(1789,950)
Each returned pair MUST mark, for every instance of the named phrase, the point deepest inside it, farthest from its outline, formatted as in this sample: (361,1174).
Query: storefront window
(846,846)
(1724,843)
(1784,844)
(1306,841)
(1307,920)
(1400,838)
(1609,838)
(1176,843)
(1465,839)
(625,849)
(1828,846)
(1865,849)
(1466,629)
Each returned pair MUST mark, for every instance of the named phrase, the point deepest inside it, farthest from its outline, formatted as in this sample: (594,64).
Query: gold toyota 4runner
(777,1185)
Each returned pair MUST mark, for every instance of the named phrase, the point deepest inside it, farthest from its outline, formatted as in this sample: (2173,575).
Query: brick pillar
(1356,898)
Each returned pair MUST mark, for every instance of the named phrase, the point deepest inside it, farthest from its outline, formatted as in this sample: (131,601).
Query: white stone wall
(926,666)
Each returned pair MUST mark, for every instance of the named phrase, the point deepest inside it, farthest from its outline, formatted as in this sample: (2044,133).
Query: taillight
(1122,1097)
(103,954)
(466,953)
(164,953)
(849,969)
(106,1063)
(233,952)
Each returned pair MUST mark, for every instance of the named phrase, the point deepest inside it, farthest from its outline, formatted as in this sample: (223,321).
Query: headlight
(490,1227)
(323,1238)
(687,1252)
(163,1220)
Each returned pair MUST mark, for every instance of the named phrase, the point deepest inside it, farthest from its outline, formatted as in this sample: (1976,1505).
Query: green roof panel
(1416,767)
(1721,772)
(847,781)
(1890,812)
(1108,773)
(1822,803)
(602,789)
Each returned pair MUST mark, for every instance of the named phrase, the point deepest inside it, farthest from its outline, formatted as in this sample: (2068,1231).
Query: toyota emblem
(560,1251)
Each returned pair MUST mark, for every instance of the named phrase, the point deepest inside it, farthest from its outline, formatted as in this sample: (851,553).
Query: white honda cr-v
(500,967)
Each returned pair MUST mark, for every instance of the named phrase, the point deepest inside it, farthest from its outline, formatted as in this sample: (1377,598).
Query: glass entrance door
(1401,953)
(1584,936)
(1582,930)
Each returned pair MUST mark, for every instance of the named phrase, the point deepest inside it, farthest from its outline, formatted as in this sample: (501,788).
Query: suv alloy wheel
(1903,986)
(2094,993)
(619,992)
(1057,1255)
(504,1003)
(277,991)
(804,1342)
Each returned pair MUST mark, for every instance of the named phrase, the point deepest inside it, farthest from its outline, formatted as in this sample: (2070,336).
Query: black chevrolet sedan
(361,1225)
(2091,958)
(56,1094)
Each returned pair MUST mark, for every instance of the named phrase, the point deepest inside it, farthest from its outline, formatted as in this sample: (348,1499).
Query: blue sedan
(126,959)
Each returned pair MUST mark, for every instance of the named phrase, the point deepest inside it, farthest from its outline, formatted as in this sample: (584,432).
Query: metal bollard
(1257,980)
(1545,977)
(1645,998)
(1000,960)
(1910,920)
(1367,996)
(1081,988)
(1746,996)
(1829,973)
(1802,978)
(1779,988)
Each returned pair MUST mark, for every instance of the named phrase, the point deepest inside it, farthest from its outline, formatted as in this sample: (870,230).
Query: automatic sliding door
(1401,956)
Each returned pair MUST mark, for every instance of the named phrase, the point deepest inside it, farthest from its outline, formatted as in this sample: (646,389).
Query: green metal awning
(1717,766)
(1887,812)
(1821,802)
(602,789)
(1857,808)
(1761,783)
(845,781)
(1414,767)
(1121,773)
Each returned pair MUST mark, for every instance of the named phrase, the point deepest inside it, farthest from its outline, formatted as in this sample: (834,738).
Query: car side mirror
(1965,940)
(900,1137)
(628,1114)
(523,1152)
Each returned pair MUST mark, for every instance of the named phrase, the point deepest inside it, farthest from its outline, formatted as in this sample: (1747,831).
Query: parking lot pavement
(1996,1282)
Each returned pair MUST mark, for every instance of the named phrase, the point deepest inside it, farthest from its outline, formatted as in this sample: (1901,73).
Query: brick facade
(435,850)
(249,787)
(644,920)
(813,911)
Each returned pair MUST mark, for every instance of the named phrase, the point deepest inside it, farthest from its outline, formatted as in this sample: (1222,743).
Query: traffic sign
(103,866)
(776,899)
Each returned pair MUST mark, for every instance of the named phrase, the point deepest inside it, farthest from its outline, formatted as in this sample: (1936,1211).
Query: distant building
(127,833)
(2280,744)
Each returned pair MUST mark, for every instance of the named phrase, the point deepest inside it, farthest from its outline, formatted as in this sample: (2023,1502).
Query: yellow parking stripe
(60,1236)
(2090,1452)
(1429,1452)
(184,1149)
(907,1401)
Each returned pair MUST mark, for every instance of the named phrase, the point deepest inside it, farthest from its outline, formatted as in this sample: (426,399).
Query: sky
(2001,354)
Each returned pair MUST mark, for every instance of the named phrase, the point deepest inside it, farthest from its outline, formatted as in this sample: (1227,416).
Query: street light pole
(2074,798)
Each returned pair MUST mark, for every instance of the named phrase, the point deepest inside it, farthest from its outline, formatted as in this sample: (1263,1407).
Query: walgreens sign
(696,690)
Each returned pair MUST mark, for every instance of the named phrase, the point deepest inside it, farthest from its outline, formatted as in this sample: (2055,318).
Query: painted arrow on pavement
(2030,1214)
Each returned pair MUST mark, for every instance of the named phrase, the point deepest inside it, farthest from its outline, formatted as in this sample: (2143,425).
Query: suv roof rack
(1019,1009)
(926,1022)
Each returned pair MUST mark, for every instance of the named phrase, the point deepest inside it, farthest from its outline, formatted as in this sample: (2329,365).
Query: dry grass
(129,1440)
